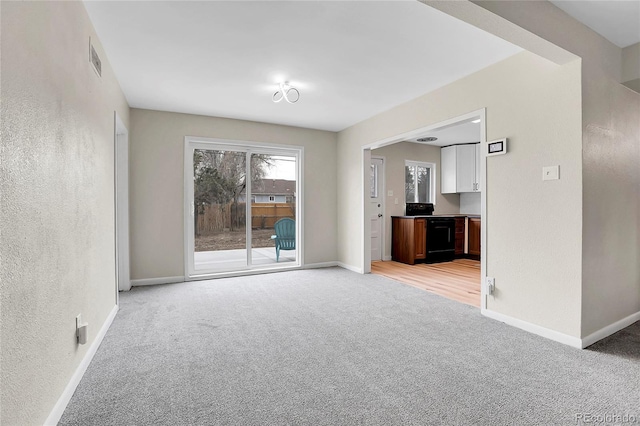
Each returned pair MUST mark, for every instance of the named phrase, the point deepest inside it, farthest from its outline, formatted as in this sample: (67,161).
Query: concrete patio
(237,259)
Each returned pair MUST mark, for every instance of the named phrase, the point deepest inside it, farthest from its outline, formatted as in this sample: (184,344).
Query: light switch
(551,173)
(389,193)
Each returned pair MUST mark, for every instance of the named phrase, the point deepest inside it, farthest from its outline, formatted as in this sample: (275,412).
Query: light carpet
(332,347)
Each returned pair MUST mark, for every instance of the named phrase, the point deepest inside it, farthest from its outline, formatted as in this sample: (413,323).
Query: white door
(376,179)
(122,205)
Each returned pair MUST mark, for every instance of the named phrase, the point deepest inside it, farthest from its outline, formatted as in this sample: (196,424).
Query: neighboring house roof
(274,187)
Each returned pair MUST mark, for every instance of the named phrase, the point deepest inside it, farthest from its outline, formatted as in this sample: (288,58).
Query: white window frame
(432,180)
(248,147)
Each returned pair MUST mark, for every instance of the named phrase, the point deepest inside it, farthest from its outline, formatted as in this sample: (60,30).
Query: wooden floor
(458,280)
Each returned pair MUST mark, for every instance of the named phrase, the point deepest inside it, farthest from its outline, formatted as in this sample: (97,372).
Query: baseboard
(61,405)
(155,281)
(535,329)
(320,265)
(386,258)
(350,268)
(610,329)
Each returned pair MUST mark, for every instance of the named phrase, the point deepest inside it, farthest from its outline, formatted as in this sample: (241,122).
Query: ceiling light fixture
(286,92)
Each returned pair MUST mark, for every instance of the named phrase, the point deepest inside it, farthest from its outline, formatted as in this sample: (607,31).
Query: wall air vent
(95,59)
(427,139)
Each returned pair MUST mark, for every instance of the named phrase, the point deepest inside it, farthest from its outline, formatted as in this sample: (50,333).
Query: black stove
(440,232)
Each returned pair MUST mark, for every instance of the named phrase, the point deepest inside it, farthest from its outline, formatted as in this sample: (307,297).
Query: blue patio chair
(285,236)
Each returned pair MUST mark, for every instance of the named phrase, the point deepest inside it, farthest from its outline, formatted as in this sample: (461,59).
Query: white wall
(470,203)
(395,156)
(57,209)
(157,185)
(611,162)
(536,104)
(631,66)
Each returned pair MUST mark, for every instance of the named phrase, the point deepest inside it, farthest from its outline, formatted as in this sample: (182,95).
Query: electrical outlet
(491,285)
(396,201)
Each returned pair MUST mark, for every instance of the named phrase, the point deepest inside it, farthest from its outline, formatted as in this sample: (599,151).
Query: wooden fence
(265,215)
(216,217)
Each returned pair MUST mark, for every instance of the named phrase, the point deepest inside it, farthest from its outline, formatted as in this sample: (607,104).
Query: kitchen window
(419,182)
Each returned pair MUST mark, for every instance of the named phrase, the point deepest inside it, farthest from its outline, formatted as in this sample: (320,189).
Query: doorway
(243,207)
(465,207)
(121,155)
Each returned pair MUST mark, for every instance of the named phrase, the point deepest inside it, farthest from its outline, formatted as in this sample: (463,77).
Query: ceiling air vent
(95,59)
(427,139)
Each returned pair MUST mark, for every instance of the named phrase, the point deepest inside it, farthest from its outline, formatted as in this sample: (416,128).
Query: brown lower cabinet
(409,239)
(460,236)
(474,236)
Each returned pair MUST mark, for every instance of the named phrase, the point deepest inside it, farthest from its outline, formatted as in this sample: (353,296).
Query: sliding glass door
(273,209)
(242,205)
(219,220)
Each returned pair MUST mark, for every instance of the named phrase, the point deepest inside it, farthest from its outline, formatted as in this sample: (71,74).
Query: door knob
(379,214)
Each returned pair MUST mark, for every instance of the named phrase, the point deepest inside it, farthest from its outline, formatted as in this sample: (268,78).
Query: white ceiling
(349,59)
(463,132)
(616,20)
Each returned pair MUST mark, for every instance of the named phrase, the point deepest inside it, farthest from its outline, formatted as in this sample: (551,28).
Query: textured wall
(57,208)
(157,185)
(395,156)
(534,228)
(611,233)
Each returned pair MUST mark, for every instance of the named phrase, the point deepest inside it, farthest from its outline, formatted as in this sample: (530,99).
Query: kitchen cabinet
(460,168)
(477,174)
(474,232)
(460,228)
(409,239)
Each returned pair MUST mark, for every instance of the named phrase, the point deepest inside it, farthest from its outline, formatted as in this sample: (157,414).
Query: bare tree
(220,177)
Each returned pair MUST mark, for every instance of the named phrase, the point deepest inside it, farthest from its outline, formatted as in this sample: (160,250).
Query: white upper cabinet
(460,168)
(477,177)
(448,170)
(465,168)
